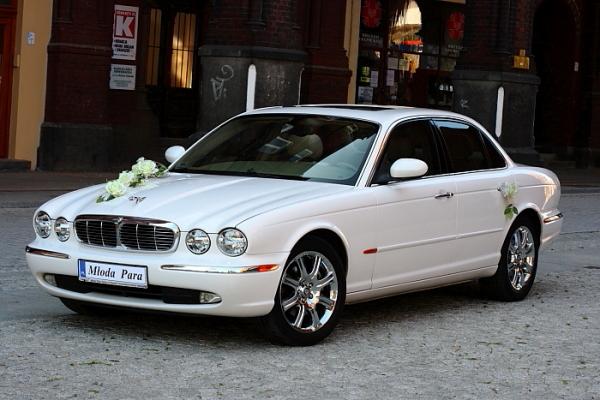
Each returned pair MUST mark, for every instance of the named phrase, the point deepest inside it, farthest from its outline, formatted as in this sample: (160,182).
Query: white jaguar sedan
(289,213)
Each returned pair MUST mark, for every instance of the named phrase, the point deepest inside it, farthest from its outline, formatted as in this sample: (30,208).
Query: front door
(6,51)
(416,218)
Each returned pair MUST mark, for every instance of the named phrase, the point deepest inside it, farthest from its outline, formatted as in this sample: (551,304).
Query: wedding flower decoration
(508,191)
(140,171)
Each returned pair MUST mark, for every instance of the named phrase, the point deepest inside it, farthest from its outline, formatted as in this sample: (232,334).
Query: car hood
(208,202)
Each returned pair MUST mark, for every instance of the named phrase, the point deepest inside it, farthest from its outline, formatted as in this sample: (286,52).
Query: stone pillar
(263,33)
(486,64)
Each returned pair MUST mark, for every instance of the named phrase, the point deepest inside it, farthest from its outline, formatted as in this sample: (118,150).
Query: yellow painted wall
(351,43)
(29,78)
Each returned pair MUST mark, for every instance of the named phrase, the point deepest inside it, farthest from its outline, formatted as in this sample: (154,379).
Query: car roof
(382,114)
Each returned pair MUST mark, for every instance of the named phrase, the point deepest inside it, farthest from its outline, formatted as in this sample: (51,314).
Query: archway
(554,47)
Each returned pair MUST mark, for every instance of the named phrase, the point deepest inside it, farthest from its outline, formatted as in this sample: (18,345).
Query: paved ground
(448,343)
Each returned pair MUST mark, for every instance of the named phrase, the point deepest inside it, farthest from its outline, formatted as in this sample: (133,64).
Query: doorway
(6,52)
(553,47)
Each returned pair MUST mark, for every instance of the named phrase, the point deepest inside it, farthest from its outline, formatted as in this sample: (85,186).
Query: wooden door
(6,52)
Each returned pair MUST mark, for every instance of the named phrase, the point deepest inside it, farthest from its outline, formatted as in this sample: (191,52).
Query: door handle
(446,195)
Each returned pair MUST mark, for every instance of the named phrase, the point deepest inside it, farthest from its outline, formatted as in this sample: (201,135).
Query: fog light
(51,279)
(209,298)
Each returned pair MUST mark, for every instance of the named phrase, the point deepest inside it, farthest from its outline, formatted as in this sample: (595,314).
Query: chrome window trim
(431,118)
(119,220)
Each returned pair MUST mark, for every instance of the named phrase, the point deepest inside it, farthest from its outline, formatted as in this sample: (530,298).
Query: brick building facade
(199,62)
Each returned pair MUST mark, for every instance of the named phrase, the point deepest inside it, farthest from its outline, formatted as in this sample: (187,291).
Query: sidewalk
(570,178)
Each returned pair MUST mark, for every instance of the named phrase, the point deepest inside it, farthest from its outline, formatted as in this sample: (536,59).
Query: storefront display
(423,40)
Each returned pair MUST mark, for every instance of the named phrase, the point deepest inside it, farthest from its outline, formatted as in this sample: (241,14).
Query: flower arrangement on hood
(140,172)
(509,190)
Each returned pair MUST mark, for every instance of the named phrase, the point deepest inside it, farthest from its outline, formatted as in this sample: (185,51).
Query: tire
(518,263)
(84,308)
(313,301)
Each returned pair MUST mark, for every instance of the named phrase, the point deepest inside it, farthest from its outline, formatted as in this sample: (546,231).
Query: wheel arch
(334,239)
(534,216)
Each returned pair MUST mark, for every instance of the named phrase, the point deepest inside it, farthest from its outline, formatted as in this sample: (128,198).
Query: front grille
(126,232)
(168,295)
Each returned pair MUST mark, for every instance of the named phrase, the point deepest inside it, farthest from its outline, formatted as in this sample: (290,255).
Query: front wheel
(518,263)
(310,297)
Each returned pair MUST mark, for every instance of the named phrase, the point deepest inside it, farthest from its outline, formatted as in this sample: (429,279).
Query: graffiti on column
(218,82)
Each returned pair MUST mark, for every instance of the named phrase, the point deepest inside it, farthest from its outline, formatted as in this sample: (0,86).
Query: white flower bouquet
(141,171)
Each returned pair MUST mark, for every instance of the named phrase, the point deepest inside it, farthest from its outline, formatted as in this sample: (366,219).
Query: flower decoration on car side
(508,191)
(140,171)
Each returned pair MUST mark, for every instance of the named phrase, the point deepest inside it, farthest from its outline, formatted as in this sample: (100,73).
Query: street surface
(441,344)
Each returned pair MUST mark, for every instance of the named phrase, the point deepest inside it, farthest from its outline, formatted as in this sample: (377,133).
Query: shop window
(407,50)
(152,64)
(171,68)
(178,57)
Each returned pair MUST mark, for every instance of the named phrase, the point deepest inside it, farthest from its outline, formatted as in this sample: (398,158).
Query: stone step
(10,165)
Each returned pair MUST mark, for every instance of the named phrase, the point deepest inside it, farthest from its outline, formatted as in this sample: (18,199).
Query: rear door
(478,170)
(416,218)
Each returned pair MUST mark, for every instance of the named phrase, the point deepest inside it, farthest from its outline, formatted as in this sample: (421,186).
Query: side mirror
(173,153)
(408,168)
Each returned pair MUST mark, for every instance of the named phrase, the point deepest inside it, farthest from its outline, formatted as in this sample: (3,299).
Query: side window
(496,160)
(408,140)
(464,145)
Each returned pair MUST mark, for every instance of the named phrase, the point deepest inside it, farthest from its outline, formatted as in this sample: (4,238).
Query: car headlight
(62,229)
(43,224)
(197,241)
(232,242)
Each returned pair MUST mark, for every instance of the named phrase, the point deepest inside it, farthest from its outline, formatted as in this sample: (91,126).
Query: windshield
(286,146)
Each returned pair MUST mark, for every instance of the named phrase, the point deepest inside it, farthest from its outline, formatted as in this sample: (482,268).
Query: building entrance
(554,44)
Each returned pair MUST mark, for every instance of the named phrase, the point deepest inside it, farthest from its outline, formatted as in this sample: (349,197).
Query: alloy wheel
(309,291)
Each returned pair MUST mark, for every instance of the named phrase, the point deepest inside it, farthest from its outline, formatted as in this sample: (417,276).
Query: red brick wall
(79,58)
(268,23)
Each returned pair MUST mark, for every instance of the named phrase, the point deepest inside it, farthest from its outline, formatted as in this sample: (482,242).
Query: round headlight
(232,242)
(197,241)
(43,224)
(62,229)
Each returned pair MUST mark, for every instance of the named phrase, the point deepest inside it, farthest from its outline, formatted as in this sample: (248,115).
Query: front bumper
(244,291)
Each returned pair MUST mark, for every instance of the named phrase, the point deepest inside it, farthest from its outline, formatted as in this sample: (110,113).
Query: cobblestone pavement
(441,344)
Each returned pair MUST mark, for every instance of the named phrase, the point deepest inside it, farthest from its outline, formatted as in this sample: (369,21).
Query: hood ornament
(137,199)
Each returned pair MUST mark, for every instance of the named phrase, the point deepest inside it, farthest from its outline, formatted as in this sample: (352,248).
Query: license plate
(113,274)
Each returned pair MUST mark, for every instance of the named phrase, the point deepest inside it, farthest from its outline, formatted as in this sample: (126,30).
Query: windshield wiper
(250,173)
(253,173)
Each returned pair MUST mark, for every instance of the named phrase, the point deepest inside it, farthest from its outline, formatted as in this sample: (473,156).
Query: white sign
(125,27)
(122,77)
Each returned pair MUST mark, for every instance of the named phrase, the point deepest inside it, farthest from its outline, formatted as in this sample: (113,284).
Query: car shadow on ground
(222,331)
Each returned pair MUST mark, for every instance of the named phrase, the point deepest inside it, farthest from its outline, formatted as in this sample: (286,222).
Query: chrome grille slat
(126,233)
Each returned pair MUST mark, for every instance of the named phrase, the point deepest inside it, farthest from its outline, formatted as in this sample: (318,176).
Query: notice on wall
(374,79)
(365,95)
(125,27)
(390,77)
(122,77)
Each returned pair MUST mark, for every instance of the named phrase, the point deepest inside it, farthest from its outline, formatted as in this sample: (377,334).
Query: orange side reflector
(370,251)
(266,268)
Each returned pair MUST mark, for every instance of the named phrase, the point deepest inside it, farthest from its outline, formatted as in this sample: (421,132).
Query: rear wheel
(310,297)
(518,263)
